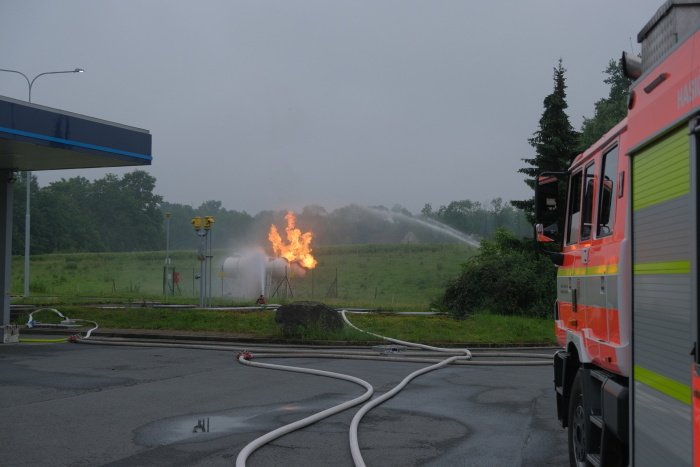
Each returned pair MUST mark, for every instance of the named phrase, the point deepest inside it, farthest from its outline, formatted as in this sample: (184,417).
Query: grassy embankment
(481,328)
(389,277)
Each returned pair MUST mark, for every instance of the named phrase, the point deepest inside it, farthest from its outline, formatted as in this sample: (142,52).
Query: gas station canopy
(34,137)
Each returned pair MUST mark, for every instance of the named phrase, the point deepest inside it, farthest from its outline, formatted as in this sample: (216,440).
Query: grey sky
(282,104)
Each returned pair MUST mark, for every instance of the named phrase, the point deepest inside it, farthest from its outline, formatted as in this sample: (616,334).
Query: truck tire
(577,425)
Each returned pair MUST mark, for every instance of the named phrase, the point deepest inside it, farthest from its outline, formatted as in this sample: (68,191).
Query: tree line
(124,214)
(77,215)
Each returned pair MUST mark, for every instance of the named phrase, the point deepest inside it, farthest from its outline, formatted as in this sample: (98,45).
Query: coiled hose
(67,322)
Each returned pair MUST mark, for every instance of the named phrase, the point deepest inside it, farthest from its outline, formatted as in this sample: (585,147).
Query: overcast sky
(282,104)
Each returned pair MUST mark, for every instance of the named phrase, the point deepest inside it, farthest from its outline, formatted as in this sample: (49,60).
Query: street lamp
(27,217)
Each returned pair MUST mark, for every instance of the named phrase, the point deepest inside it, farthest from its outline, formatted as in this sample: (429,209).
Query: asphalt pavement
(79,404)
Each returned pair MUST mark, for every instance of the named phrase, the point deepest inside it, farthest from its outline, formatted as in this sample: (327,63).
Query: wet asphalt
(73,404)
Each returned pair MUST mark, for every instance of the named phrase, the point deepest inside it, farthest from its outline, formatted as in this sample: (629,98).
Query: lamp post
(27,217)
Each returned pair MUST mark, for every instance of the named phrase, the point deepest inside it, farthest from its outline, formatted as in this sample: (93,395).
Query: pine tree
(555,141)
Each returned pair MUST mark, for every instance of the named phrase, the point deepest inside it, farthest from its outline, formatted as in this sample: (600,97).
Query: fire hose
(272,435)
(464,356)
(354,443)
(427,354)
(66,323)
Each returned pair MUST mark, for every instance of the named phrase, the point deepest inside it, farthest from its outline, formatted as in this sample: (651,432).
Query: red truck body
(626,316)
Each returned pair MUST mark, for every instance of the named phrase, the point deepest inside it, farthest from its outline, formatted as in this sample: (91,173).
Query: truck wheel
(577,425)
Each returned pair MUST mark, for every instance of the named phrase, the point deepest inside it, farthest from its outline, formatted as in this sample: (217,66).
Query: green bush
(508,276)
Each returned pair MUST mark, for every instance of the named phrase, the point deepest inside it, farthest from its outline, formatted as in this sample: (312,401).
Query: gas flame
(298,246)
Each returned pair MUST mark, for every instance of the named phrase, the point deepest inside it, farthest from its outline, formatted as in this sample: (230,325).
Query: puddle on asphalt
(210,425)
(183,428)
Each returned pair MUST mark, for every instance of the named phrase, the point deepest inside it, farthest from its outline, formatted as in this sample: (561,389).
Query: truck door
(573,287)
(602,261)
(568,285)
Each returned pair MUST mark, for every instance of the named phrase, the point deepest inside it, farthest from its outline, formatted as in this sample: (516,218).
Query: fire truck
(625,218)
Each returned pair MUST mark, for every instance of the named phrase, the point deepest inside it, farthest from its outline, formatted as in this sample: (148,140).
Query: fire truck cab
(626,316)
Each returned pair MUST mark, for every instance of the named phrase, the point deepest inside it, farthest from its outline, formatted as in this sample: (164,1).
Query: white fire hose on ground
(463,356)
(426,355)
(272,435)
(354,443)
(66,323)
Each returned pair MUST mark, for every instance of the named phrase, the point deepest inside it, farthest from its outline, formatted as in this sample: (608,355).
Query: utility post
(168,271)
(208,224)
(167,238)
(202,227)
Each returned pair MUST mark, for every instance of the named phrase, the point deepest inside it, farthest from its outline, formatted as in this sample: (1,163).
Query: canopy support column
(6,179)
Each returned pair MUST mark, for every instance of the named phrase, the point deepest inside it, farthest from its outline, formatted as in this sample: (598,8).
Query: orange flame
(298,246)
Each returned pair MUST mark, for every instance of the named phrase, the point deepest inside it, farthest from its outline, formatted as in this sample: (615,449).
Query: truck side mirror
(542,233)
(543,236)
(548,206)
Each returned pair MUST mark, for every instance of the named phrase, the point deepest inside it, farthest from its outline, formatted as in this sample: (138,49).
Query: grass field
(385,277)
(382,276)
(482,328)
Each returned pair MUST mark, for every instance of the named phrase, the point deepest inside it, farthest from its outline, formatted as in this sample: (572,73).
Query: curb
(144,334)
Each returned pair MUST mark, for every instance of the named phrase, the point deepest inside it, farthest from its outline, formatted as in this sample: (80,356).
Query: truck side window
(606,206)
(587,208)
(574,211)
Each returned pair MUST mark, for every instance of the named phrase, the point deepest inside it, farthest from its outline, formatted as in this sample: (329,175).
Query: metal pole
(6,179)
(167,239)
(210,276)
(27,217)
(166,268)
(202,271)
(27,225)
